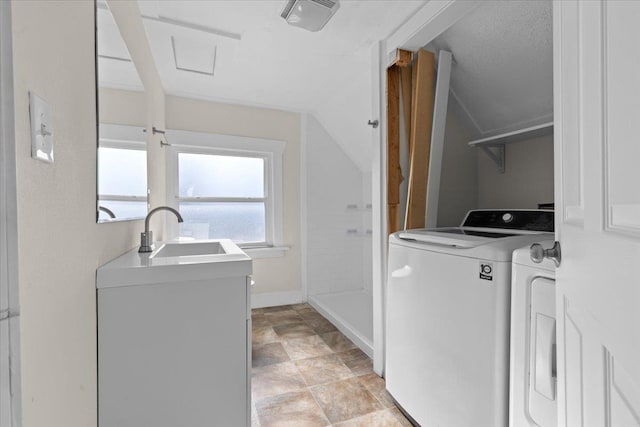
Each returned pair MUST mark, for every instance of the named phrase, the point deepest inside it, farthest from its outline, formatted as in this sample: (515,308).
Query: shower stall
(338,237)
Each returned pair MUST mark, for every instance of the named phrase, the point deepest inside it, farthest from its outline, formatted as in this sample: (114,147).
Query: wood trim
(406,82)
(421,126)
(413,97)
(394,173)
(403,58)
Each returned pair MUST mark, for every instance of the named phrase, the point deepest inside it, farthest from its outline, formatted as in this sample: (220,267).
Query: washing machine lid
(463,237)
(483,226)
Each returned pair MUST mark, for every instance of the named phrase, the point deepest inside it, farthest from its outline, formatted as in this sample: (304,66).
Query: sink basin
(176,262)
(189,249)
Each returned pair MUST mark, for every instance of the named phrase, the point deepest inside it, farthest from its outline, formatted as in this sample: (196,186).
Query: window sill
(266,252)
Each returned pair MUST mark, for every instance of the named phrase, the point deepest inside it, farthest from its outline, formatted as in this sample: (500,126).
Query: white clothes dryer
(532,391)
(448,313)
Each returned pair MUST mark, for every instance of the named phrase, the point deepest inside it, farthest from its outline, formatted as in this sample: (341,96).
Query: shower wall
(339,255)
(338,216)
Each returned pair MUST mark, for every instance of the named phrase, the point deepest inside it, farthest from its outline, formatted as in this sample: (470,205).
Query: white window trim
(207,143)
(123,137)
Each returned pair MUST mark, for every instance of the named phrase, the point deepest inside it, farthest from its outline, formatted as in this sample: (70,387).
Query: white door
(597,110)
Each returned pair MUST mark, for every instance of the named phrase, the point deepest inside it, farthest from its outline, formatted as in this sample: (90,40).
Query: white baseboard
(273,299)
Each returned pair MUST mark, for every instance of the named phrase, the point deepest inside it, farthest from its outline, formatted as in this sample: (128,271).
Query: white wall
(459,179)
(122,107)
(345,115)
(271,274)
(60,244)
(471,180)
(335,259)
(367,224)
(528,178)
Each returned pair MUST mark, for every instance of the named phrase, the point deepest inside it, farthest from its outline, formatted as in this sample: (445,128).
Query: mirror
(122,157)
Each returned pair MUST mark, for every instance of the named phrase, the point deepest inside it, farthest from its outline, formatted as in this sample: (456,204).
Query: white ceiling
(503,70)
(502,74)
(115,68)
(259,58)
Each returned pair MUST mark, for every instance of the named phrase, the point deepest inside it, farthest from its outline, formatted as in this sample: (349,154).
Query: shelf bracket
(494,146)
(495,153)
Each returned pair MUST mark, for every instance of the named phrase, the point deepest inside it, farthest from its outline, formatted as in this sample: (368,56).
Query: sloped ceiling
(502,75)
(260,60)
(501,78)
(115,67)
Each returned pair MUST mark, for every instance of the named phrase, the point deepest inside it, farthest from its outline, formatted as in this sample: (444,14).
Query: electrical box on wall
(41,128)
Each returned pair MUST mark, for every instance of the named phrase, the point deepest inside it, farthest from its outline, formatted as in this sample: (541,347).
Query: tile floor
(306,373)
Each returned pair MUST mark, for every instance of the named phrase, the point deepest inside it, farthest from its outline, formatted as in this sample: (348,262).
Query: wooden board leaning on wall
(416,82)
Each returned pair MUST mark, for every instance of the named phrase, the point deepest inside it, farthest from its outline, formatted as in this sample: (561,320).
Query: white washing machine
(533,379)
(447,316)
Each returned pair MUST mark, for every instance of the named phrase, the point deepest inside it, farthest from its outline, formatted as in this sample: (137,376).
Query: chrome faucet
(146,238)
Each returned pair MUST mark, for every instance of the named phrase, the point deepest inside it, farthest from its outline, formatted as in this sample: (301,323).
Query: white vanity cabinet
(174,341)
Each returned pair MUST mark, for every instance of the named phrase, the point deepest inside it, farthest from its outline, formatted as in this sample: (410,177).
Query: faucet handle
(146,241)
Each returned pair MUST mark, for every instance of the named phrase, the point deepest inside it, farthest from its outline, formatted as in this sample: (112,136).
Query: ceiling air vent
(311,15)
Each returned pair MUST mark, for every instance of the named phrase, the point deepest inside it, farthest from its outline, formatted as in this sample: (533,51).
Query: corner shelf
(494,146)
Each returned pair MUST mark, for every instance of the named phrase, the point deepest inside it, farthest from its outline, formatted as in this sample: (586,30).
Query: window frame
(125,137)
(271,151)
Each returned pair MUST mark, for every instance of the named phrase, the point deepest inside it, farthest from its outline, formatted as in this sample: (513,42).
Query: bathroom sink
(176,261)
(189,249)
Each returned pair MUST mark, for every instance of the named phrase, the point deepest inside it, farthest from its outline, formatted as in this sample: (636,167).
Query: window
(122,173)
(227,187)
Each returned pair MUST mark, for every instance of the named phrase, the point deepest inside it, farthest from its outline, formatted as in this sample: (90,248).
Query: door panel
(599,320)
(571,176)
(621,115)
(624,396)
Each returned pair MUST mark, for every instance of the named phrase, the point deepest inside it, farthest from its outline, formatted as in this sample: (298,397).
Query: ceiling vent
(311,15)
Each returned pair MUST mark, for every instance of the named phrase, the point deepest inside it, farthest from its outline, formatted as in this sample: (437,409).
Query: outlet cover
(41,128)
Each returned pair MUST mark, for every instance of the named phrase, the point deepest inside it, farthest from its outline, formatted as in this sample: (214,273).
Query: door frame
(8,212)
(435,17)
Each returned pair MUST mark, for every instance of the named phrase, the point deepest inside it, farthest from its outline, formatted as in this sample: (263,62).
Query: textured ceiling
(503,70)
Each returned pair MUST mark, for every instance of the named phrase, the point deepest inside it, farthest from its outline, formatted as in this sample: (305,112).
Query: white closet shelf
(494,146)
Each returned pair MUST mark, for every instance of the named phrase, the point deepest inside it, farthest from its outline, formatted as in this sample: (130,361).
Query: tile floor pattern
(306,374)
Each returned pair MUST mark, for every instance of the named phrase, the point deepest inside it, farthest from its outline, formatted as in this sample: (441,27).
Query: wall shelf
(494,146)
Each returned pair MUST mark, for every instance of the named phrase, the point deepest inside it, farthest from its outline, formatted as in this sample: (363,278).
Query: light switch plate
(41,128)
